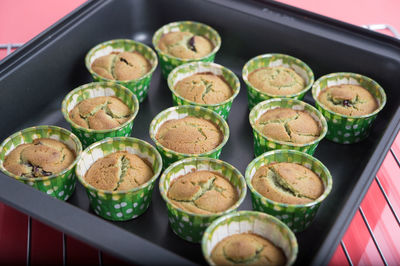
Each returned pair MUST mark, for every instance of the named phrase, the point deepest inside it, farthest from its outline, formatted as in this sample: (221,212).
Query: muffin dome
(104,112)
(189,135)
(350,100)
(288,125)
(288,183)
(121,66)
(119,171)
(42,157)
(202,192)
(248,249)
(204,88)
(277,80)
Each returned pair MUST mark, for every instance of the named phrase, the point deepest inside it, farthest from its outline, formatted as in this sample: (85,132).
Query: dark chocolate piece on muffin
(42,157)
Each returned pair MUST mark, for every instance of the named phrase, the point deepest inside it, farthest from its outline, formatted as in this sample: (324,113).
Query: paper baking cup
(190,69)
(169,62)
(255,96)
(96,89)
(188,225)
(252,222)
(263,143)
(138,86)
(169,156)
(297,216)
(125,204)
(342,128)
(60,185)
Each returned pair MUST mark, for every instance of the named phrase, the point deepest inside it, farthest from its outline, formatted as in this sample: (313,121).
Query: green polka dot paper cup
(255,96)
(125,204)
(252,222)
(191,226)
(342,128)
(263,143)
(138,86)
(297,216)
(169,156)
(61,185)
(190,69)
(97,89)
(169,62)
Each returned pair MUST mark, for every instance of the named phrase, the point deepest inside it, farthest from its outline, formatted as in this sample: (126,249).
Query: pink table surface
(21,20)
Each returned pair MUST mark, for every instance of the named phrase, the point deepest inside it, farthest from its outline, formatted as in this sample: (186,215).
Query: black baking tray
(35,78)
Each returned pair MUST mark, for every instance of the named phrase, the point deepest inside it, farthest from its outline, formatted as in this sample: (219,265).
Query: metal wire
(28,242)
(387,200)
(395,157)
(388,27)
(346,253)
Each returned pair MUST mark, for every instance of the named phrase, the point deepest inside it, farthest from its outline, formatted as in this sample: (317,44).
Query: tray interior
(33,87)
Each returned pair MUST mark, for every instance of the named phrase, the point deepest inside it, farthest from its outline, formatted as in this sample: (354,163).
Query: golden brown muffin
(289,183)
(202,192)
(277,80)
(189,135)
(42,157)
(247,249)
(205,88)
(288,125)
(119,171)
(104,112)
(350,100)
(185,45)
(121,66)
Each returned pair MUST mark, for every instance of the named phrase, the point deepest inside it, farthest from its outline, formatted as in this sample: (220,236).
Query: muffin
(42,157)
(248,249)
(119,171)
(285,123)
(205,88)
(202,192)
(183,42)
(125,62)
(189,135)
(185,45)
(288,183)
(204,84)
(348,99)
(277,80)
(249,238)
(197,191)
(276,76)
(288,125)
(100,110)
(119,175)
(121,66)
(104,112)
(350,103)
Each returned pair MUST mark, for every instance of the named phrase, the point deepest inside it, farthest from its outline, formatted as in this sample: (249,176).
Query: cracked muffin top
(119,171)
(42,157)
(99,113)
(204,88)
(288,125)
(288,183)
(277,80)
(247,249)
(185,45)
(202,192)
(189,135)
(350,100)
(121,66)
